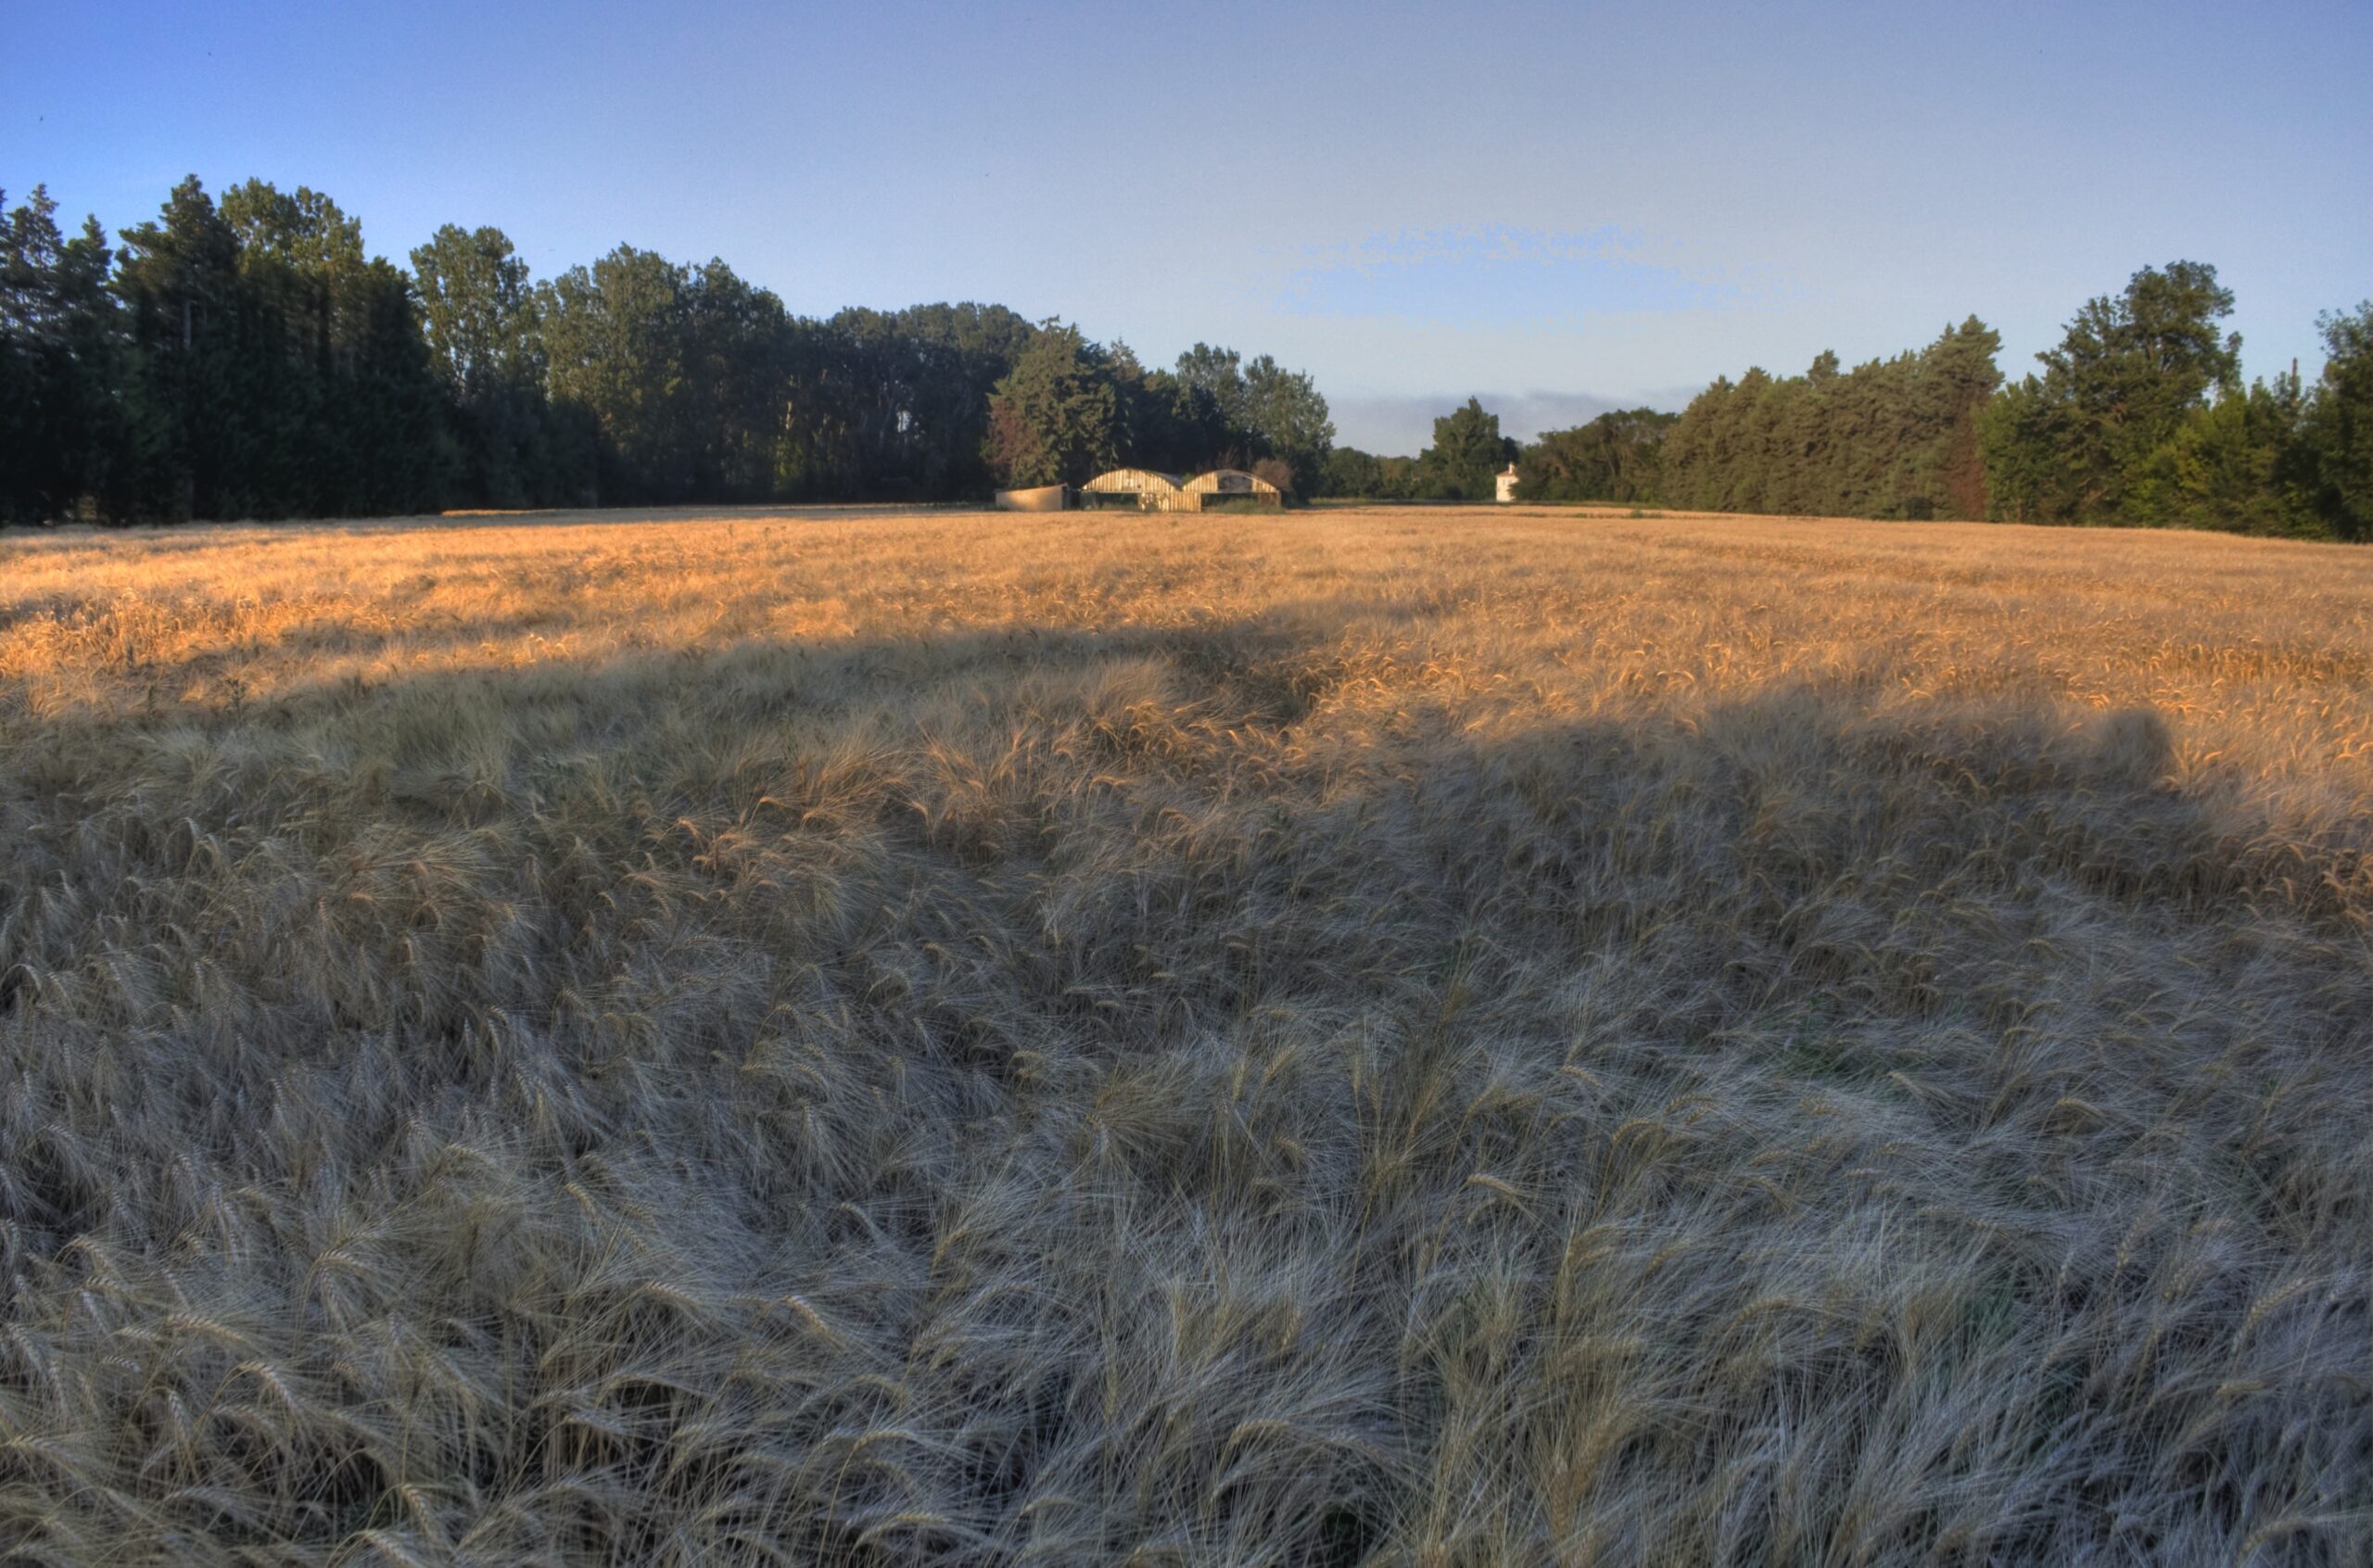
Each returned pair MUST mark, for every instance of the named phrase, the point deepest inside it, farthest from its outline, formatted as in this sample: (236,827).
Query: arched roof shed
(1132,482)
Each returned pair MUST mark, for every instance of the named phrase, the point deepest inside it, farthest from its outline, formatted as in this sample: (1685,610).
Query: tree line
(247,358)
(2139,417)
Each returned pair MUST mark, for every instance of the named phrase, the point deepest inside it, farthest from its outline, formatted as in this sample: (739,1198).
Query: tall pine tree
(61,364)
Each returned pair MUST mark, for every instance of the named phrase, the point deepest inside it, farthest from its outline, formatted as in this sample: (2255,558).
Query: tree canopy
(1467,451)
(2072,445)
(1890,438)
(1616,457)
(2335,461)
(1055,418)
(251,357)
(63,435)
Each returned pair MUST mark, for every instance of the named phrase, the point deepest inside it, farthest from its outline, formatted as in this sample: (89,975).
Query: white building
(1507,483)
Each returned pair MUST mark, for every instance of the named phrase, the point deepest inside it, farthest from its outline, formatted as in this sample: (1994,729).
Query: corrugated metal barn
(1232,487)
(1143,489)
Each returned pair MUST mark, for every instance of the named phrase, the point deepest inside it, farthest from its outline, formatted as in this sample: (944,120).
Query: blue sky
(1560,208)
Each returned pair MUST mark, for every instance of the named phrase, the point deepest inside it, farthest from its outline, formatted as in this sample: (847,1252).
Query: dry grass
(1410,1038)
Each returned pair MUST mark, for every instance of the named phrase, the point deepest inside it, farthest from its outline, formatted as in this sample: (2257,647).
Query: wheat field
(1398,1037)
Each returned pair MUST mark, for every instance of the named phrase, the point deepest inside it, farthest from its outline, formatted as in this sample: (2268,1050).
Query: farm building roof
(1229,481)
(1118,481)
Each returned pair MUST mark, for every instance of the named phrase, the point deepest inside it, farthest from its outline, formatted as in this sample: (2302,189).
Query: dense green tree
(1953,380)
(1228,412)
(2334,462)
(1712,457)
(1175,426)
(303,255)
(1898,437)
(273,368)
(198,392)
(2229,465)
(257,360)
(896,403)
(388,405)
(348,415)
(2020,440)
(1213,415)
(1687,458)
(250,358)
(1614,458)
(685,372)
(1351,472)
(615,344)
(1219,374)
(1467,451)
(2070,445)
(477,309)
(61,363)
(738,361)
(297,254)
(1055,417)
(1286,417)
(484,334)
(1354,474)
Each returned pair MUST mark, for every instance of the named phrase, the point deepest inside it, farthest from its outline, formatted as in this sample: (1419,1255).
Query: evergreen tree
(389,404)
(298,261)
(1896,437)
(273,368)
(62,431)
(2335,456)
(2228,465)
(1959,378)
(1685,459)
(198,375)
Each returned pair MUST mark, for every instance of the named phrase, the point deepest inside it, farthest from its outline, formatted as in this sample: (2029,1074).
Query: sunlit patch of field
(1409,1037)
